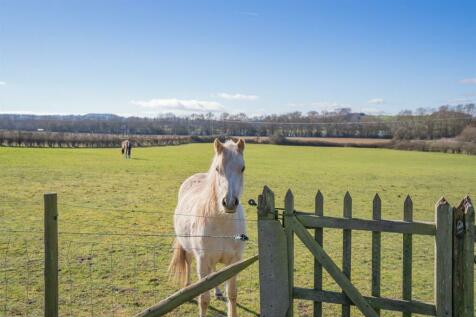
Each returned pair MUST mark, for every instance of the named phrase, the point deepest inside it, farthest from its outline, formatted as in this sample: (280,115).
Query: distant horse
(126,149)
(207,217)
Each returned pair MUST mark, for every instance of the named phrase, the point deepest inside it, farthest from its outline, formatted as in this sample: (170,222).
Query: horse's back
(192,184)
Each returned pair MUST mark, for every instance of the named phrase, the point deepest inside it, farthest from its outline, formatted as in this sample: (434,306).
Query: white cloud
(3,83)
(228,96)
(468,81)
(376,101)
(174,104)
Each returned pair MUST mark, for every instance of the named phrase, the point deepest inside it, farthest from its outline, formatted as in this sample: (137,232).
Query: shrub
(468,134)
(277,138)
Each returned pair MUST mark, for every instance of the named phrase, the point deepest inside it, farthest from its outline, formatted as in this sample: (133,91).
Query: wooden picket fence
(454,234)
(453,229)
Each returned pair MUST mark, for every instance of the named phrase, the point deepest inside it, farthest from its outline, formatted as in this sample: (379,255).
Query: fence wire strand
(118,275)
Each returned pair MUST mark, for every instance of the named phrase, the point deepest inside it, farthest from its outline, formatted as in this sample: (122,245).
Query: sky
(144,58)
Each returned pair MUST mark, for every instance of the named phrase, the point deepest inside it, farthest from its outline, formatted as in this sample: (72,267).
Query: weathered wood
(458,261)
(468,250)
(443,258)
(347,248)
(51,254)
(376,253)
(376,302)
(407,255)
(318,236)
(273,268)
(289,214)
(195,289)
(266,209)
(311,221)
(333,270)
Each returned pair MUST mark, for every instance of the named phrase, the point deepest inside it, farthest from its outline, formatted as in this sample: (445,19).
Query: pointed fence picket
(454,233)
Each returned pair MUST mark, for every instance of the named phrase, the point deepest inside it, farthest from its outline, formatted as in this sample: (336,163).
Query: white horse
(207,217)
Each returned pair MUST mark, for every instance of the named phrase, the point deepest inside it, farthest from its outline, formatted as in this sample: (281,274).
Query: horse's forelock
(210,200)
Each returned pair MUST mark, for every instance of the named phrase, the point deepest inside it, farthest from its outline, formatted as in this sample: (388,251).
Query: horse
(207,218)
(126,148)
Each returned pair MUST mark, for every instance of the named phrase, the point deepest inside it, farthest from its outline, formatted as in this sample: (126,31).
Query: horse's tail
(178,265)
(122,150)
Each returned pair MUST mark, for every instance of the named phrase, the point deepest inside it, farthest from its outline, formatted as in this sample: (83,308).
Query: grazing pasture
(115,219)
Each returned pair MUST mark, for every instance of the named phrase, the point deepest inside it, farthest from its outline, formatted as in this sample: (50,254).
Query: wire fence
(105,269)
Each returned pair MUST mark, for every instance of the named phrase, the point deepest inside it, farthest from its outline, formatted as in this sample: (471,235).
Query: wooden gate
(453,230)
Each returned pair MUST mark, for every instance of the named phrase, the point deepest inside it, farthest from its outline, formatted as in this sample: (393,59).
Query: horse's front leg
(232,294)
(203,268)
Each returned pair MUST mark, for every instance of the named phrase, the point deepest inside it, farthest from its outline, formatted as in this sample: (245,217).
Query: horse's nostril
(237,201)
(223,202)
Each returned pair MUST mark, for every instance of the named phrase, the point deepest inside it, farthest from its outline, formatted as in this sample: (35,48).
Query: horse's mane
(208,202)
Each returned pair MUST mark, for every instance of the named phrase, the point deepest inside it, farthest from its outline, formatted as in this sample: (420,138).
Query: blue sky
(148,57)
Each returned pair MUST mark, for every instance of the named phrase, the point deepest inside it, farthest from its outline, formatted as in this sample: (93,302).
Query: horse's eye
(217,169)
(243,169)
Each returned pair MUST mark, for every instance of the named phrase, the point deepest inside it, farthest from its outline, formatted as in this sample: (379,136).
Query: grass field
(118,275)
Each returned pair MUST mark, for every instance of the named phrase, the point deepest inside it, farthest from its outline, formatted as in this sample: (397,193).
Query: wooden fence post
(458,261)
(318,236)
(347,248)
(468,258)
(51,255)
(443,258)
(376,246)
(407,254)
(273,266)
(288,229)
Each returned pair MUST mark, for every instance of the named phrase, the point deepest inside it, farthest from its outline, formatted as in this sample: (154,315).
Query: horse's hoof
(220,297)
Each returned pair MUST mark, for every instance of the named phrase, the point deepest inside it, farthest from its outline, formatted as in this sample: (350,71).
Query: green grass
(121,275)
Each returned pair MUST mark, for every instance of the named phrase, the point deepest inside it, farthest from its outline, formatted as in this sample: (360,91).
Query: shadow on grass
(223,313)
(246,309)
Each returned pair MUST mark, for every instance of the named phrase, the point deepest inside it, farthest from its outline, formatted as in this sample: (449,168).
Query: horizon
(150,58)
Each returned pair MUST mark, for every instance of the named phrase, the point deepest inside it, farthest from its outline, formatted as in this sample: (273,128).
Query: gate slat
(319,237)
(288,228)
(347,248)
(352,293)
(396,305)
(376,243)
(468,258)
(443,258)
(407,255)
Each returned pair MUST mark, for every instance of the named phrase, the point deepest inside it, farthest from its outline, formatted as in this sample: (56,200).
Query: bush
(468,134)
(277,138)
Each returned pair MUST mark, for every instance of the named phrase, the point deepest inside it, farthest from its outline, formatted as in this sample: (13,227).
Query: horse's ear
(218,146)
(241,145)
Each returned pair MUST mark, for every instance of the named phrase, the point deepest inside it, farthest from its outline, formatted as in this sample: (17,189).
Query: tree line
(422,124)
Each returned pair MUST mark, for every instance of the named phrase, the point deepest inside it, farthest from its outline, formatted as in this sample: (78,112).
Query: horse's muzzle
(230,206)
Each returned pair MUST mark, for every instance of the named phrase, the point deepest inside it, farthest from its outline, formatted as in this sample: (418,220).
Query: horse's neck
(208,198)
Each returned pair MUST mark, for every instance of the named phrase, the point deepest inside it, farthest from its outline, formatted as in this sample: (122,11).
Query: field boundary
(454,234)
